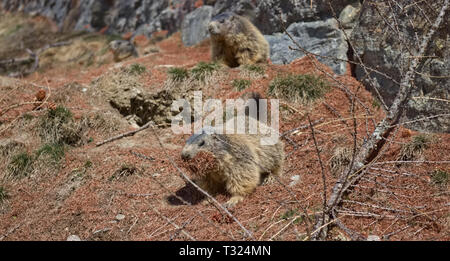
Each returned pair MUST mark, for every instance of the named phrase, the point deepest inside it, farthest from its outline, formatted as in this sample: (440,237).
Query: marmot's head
(207,140)
(119,45)
(223,23)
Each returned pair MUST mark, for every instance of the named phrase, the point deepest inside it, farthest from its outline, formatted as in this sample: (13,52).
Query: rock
(195,25)
(373,238)
(348,16)
(125,92)
(117,17)
(387,50)
(120,217)
(294,180)
(265,14)
(73,238)
(147,17)
(320,37)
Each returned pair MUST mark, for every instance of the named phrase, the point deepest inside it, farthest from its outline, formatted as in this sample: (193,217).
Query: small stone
(294,180)
(73,238)
(373,238)
(120,217)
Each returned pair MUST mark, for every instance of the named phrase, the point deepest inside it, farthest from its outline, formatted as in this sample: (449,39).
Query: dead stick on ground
(126,134)
(173,224)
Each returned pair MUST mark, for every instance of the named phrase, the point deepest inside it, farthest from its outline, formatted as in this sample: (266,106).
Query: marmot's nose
(185,156)
(210,28)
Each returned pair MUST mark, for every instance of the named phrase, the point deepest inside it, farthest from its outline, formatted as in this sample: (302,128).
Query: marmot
(122,49)
(242,162)
(236,41)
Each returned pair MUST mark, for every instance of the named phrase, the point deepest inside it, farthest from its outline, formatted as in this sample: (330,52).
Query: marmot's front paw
(233,201)
(206,202)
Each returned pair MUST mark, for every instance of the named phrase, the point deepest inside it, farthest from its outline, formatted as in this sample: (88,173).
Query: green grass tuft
(439,177)
(376,103)
(20,165)
(291,213)
(61,113)
(88,164)
(255,69)
(415,147)
(54,150)
(299,88)
(27,116)
(241,84)
(178,74)
(137,69)
(203,70)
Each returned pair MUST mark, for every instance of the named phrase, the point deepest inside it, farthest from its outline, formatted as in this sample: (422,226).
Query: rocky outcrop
(125,93)
(266,14)
(389,43)
(195,25)
(148,16)
(115,17)
(320,37)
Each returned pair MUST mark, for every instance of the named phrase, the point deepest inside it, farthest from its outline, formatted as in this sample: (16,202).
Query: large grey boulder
(194,28)
(266,14)
(320,37)
(389,49)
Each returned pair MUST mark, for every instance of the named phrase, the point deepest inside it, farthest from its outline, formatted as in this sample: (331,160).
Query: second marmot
(236,41)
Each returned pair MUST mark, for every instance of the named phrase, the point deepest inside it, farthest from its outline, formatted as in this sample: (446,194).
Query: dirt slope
(83,191)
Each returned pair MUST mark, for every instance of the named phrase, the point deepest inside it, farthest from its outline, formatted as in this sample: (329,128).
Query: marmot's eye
(201,143)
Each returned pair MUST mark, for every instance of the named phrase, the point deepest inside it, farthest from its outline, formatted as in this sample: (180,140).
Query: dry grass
(3,194)
(253,71)
(439,177)
(241,84)
(340,159)
(303,88)
(415,148)
(202,71)
(124,171)
(21,165)
(106,121)
(58,126)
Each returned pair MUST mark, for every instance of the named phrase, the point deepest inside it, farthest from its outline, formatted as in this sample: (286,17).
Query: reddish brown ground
(35,211)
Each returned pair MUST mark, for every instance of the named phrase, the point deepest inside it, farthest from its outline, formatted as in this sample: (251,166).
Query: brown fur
(122,49)
(236,41)
(242,163)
